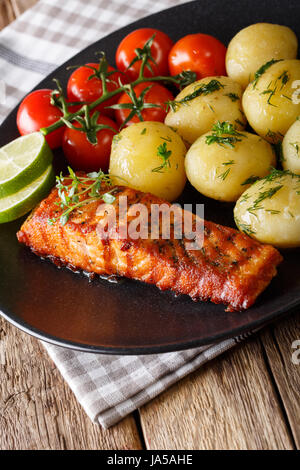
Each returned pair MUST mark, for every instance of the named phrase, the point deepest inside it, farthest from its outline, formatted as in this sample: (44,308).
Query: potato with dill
(149,156)
(254,46)
(291,149)
(202,104)
(271,103)
(224,162)
(269,210)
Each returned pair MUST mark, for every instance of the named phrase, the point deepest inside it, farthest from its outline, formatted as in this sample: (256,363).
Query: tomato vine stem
(182,79)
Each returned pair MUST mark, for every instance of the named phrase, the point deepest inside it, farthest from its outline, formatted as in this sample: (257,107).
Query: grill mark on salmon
(230,268)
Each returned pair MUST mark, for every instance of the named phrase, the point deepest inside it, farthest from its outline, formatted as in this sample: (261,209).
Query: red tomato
(157,94)
(160,49)
(81,154)
(200,53)
(35,112)
(80,88)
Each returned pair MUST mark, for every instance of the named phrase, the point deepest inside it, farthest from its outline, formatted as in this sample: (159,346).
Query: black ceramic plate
(64,308)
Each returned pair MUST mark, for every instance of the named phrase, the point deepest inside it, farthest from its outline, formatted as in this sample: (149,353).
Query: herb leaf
(233,96)
(76,191)
(203,89)
(252,179)
(165,154)
(263,69)
(224,133)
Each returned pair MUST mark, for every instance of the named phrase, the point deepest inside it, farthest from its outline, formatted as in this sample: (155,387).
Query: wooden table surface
(246,399)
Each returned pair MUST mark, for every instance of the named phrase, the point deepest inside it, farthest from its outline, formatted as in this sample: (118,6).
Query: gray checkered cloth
(108,387)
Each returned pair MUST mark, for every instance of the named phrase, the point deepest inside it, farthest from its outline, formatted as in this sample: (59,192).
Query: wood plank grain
(6,13)
(38,409)
(19,6)
(228,404)
(277,341)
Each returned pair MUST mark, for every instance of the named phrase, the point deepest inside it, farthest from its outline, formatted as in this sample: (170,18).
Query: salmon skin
(230,268)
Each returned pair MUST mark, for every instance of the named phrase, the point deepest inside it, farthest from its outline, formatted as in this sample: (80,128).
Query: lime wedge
(22,161)
(14,206)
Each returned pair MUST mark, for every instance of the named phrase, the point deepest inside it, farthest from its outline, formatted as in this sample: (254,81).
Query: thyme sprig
(224,133)
(164,154)
(76,191)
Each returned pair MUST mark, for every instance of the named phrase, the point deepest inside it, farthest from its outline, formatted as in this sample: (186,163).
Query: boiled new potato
(291,149)
(219,100)
(271,104)
(254,46)
(149,156)
(220,172)
(269,210)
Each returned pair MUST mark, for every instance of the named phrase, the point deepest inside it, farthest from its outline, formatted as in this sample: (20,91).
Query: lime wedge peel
(22,161)
(14,206)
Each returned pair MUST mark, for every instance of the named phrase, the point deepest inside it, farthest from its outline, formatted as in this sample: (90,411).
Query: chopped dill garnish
(252,179)
(165,154)
(224,175)
(167,139)
(272,211)
(203,89)
(246,228)
(224,133)
(284,78)
(263,195)
(233,96)
(263,69)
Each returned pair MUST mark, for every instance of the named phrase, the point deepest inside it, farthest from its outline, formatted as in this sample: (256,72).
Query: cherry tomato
(35,112)
(81,154)
(82,88)
(200,53)
(157,94)
(160,49)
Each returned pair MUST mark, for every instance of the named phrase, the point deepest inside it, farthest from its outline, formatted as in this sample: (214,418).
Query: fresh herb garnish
(224,133)
(224,175)
(263,69)
(272,211)
(164,154)
(203,89)
(233,96)
(268,194)
(252,179)
(246,228)
(284,78)
(76,191)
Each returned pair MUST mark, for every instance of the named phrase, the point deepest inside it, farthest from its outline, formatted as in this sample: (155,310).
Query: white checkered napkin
(52,31)
(108,387)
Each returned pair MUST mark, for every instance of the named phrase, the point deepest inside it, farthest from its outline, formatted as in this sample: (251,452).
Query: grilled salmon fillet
(230,268)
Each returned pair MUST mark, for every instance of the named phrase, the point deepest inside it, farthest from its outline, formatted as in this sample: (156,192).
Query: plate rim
(140,350)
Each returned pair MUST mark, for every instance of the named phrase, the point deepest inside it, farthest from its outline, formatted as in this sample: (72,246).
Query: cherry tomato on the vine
(85,89)
(137,39)
(36,111)
(81,154)
(200,53)
(157,95)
